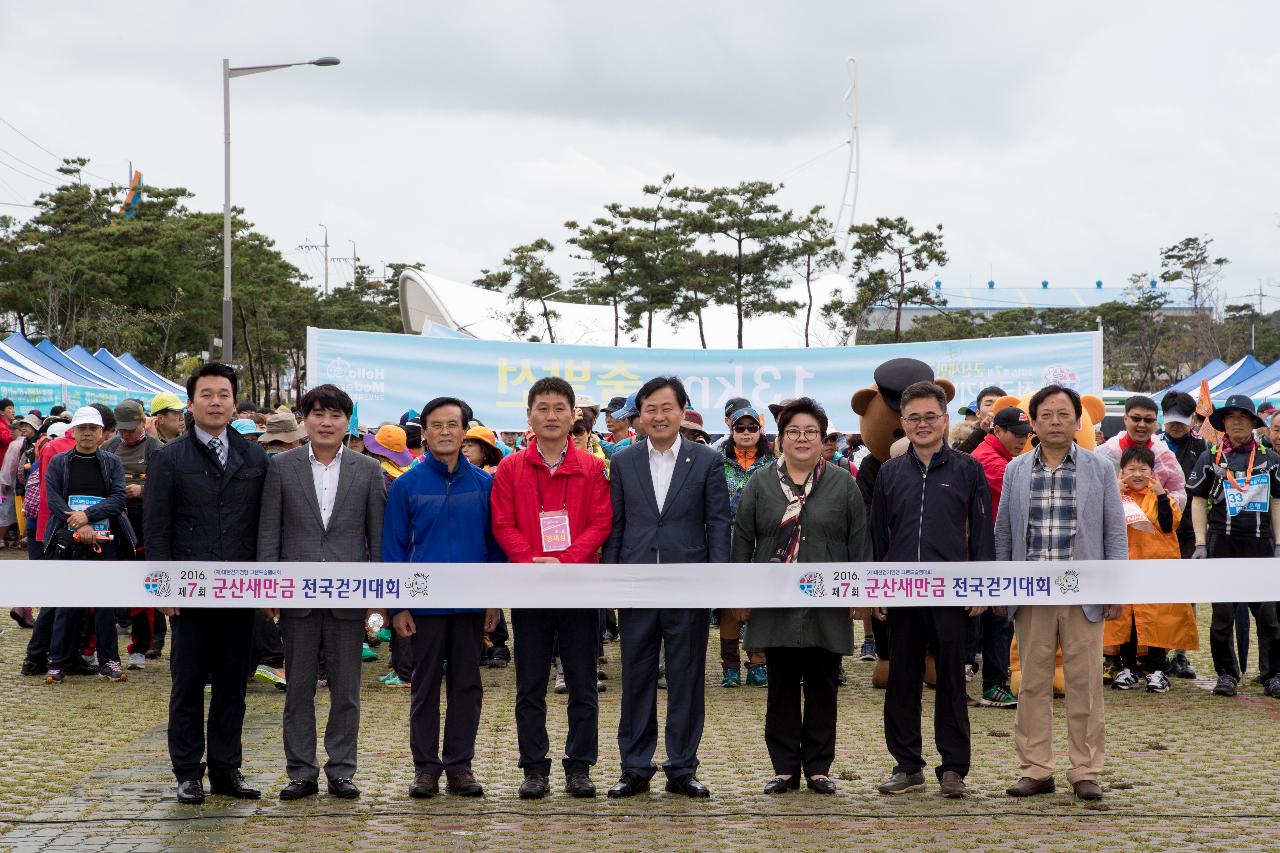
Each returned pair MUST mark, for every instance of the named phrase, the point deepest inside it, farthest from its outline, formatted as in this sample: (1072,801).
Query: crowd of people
(210,480)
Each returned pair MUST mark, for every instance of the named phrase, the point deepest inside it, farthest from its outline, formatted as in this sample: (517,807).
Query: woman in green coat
(801,510)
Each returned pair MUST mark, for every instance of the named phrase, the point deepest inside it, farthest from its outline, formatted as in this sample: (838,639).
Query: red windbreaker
(994,458)
(523,487)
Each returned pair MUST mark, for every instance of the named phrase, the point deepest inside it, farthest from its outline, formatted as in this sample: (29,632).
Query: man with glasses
(931,504)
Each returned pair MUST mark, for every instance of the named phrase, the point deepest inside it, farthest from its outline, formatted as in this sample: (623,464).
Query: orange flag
(1204,408)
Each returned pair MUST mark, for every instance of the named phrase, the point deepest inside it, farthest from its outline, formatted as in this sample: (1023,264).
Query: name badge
(555,530)
(1256,496)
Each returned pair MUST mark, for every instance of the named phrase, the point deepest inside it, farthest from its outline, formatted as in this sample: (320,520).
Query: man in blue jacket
(932,504)
(438,512)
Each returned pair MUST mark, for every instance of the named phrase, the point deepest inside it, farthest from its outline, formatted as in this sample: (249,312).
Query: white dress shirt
(325,478)
(662,464)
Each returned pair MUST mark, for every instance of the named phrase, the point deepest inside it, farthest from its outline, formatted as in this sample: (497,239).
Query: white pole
(226,212)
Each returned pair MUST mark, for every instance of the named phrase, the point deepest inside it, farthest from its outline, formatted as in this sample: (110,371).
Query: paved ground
(83,767)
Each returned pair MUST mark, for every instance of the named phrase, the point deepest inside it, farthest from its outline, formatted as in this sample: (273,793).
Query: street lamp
(227,73)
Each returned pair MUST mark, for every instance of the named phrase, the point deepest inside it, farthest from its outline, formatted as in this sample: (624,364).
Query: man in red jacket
(550,504)
(1007,439)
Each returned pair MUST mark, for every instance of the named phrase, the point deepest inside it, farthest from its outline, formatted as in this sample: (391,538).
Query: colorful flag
(1204,408)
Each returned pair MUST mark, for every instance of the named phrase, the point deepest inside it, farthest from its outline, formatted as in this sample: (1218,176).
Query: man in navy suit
(670,505)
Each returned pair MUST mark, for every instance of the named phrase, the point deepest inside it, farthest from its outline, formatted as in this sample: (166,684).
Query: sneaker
(111,671)
(970,670)
(1123,680)
(1157,682)
(137,660)
(1110,667)
(561,687)
(868,652)
(393,680)
(902,783)
(1273,687)
(79,667)
(998,696)
(1226,686)
(153,653)
(600,679)
(55,676)
(384,636)
(732,678)
(841,678)
(757,675)
(1258,679)
(367,654)
(1180,667)
(662,678)
(34,667)
(500,657)
(269,675)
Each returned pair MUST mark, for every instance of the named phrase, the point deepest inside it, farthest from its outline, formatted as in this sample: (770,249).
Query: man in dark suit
(203,494)
(670,505)
(322,504)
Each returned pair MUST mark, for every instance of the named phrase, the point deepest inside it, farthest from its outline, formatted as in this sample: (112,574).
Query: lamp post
(227,73)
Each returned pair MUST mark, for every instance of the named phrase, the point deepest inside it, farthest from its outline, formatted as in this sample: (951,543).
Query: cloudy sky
(1069,143)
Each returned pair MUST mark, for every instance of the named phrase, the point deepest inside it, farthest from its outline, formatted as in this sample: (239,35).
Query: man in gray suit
(1060,502)
(670,505)
(321,503)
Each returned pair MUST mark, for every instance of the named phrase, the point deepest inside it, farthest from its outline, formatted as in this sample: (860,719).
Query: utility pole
(326,258)
(355,263)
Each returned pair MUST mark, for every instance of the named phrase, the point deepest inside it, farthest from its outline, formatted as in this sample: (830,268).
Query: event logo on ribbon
(811,584)
(418,584)
(1069,581)
(157,583)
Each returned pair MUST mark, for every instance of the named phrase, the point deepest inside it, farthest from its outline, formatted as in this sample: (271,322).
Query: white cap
(57,430)
(1175,418)
(86,415)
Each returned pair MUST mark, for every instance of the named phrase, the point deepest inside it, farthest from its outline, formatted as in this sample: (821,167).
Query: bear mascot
(880,411)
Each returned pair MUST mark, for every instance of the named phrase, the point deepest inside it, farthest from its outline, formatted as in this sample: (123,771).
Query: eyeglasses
(451,426)
(746,429)
(916,420)
(1138,420)
(809,433)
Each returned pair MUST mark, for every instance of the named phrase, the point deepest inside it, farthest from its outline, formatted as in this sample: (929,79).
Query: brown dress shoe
(425,785)
(1028,787)
(1087,789)
(463,784)
(880,675)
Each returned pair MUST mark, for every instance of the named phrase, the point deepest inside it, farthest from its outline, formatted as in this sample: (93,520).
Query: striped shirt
(1051,519)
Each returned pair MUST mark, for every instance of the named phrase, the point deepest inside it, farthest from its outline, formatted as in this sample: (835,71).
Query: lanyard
(537,479)
(1247,473)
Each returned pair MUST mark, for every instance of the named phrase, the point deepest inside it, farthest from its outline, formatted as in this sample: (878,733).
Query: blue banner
(32,395)
(388,374)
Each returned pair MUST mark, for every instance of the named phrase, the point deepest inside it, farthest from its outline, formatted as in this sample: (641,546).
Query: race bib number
(555,530)
(81,503)
(1256,496)
(1134,516)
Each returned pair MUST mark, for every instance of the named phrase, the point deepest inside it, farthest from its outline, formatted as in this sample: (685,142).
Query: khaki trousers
(1040,630)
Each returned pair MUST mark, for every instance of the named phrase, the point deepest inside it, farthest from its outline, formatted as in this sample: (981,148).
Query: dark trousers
(911,629)
(458,639)
(402,656)
(147,630)
(68,631)
(268,644)
(1222,628)
(538,636)
(42,635)
(214,644)
(801,740)
(1155,660)
(992,634)
(683,635)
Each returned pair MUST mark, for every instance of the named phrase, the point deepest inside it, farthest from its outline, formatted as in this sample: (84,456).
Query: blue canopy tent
(1255,385)
(1192,383)
(56,355)
(1235,374)
(69,372)
(129,361)
(23,369)
(105,358)
(85,359)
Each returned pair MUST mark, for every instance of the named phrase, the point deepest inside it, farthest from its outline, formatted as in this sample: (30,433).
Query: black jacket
(941,515)
(195,510)
(111,508)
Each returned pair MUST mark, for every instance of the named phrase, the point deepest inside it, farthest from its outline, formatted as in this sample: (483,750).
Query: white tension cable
(425,586)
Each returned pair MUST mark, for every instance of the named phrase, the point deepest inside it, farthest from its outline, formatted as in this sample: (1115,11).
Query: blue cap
(245,426)
(971,409)
(745,412)
(628,410)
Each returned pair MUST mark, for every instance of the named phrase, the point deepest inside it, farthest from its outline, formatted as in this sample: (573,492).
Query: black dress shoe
(821,784)
(535,787)
(191,793)
(689,786)
(780,785)
(299,788)
(579,784)
(629,785)
(344,788)
(233,786)
(425,786)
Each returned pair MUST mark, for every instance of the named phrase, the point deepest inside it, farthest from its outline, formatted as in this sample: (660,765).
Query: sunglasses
(745,429)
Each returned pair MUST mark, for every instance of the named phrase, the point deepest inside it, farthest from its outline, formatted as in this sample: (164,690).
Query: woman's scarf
(787,540)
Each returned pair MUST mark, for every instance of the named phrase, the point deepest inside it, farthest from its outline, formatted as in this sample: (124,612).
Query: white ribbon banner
(478,585)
